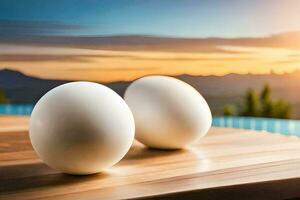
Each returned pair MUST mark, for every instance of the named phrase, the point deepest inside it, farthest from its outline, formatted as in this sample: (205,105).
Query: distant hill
(218,91)
(21,88)
(25,89)
(230,89)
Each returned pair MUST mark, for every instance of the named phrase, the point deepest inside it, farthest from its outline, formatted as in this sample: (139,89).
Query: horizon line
(272,72)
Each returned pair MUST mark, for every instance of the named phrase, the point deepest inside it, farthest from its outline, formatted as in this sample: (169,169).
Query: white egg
(168,113)
(81,128)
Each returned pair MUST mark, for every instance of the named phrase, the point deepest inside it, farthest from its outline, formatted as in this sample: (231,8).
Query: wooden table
(226,164)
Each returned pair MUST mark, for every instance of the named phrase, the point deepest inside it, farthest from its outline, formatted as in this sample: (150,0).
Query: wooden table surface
(226,164)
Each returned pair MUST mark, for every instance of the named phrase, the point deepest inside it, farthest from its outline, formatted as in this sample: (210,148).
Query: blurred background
(242,56)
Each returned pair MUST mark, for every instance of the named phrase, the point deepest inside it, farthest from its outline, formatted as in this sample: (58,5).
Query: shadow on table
(32,175)
(141,152)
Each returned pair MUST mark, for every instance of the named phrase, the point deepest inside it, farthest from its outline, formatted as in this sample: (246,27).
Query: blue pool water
(284,126)
(287,127)
(15,109)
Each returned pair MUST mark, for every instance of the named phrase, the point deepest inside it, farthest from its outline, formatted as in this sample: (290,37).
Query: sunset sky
(71,39)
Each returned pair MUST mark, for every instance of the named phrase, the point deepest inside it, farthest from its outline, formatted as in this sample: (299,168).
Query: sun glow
(109,65)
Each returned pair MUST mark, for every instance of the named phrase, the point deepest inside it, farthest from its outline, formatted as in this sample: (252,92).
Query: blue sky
(189,18)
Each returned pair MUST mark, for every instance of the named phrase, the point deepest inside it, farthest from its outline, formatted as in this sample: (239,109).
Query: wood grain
(226,164)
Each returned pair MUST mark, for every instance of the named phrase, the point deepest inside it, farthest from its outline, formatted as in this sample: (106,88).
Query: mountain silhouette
(21,88)
(217,90)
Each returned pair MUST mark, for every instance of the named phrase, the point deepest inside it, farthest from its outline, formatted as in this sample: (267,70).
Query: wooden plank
(230,162)
(13,123)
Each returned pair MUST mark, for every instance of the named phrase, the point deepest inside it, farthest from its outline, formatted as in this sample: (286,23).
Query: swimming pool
(286,127)
(15,109)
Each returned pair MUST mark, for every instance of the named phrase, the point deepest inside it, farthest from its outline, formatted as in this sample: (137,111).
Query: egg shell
(81,128)
(168,113)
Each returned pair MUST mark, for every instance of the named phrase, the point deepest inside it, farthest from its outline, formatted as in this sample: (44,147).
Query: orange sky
(277,54)
(108,65)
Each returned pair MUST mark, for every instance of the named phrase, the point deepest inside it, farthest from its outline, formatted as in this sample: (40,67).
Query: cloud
(178,57)
(43,58)
(37,34)
(118,69)
(295,61)
(13,28)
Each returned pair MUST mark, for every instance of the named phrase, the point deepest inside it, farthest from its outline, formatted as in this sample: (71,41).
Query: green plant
(262,106)
(229,110)
(267,104)
(252,105)
(281,109)
(3,98)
